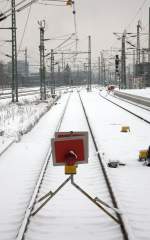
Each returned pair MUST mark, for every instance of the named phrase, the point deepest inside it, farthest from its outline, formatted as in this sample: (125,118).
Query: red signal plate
(61,146)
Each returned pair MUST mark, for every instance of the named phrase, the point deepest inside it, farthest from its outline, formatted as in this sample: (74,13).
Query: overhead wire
(137,12)
(68,44)
(61,44)
(8,13)
(25,27)
(50,4)
(10,9)
(131,21)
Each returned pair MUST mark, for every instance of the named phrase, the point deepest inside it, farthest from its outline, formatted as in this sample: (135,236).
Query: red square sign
(61,146)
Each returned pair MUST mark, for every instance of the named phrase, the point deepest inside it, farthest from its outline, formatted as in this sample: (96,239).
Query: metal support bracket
(98,202)
(49,196)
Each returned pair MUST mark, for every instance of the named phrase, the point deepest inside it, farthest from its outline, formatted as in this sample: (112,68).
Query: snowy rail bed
(70,215)
(70,210)
(131,181)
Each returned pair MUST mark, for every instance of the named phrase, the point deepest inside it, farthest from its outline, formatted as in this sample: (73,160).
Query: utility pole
(123,62)
(149,39)
(62,72)
(42,61)
(89,64)
(58,75)
(103,70)
(138,43)
(99,70)
(26,65)
(14,55)
(52,73)
(62,60)
(143,55)
(134,68)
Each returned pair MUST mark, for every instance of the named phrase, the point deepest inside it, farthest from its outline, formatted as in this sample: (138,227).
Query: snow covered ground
(125,104)
(131,181)
(19,170)
(69,215)
(18,119)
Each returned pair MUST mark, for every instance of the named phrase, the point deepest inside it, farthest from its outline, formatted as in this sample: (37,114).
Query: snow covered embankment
(18,119)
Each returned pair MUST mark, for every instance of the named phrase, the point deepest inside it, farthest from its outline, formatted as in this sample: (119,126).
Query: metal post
(149,39)
(26,65)
(138,44)
(143,55)
(42,61)
(123,62)
(62,59)
(134,69)
(89,64)
(99,70)
(62,67)
(52,73)
(102,70)
(14,55)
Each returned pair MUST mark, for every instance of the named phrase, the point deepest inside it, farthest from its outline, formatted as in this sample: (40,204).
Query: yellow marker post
(143,154)
(125,129)
(71,169)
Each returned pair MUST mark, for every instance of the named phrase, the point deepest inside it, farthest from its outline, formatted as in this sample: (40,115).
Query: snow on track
(69,215)
(19,170)
(135,109)
(131,181)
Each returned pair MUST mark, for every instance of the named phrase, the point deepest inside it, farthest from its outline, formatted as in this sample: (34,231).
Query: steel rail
(133,98)
(134,114)
(108,183)
(22,93)
(32,202)
(130,102)
(7,147)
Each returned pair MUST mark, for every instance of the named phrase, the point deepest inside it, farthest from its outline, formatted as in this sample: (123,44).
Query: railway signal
(70,149)
(117,64)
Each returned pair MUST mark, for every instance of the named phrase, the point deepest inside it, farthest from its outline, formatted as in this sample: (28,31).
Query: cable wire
(140,8)
(25,27)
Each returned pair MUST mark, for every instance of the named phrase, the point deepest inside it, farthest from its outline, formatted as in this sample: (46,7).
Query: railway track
(124,147)
(28,213)
(35,227)
(21,94)
(127,110)
(134,99)
(132,103)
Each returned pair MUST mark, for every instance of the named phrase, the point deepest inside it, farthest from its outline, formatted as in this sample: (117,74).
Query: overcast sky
(98,18)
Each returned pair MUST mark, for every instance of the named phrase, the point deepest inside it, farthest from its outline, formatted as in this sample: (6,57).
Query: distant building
(135,82)
(142,70)
(22,68)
